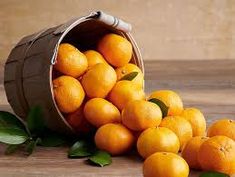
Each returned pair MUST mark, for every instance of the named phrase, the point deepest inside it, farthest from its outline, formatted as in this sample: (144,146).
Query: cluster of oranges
(93,91)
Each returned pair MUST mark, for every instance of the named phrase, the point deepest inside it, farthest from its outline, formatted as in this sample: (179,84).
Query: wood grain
(208,85)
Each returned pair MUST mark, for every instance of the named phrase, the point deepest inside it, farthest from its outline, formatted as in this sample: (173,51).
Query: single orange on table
(99,80)
(130,68)
(93,58)
(114,138)
(157,139)
(171,99)
(196,119)
(125,91)
(218,154)
(116,49)
(180,126)
(190,151)
(165,164)
(224,127)
(139,115)
(70,61)
(78,121)
(99,111)
(68,93)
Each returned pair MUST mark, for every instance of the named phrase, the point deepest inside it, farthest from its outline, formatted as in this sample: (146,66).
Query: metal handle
(111,21)
(100,16)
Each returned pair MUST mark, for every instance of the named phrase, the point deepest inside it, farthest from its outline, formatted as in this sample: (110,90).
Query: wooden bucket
(28,69)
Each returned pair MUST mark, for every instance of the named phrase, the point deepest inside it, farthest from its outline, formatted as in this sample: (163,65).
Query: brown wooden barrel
(28,69)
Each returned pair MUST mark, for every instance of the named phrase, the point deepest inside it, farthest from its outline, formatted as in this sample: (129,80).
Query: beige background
(164,29)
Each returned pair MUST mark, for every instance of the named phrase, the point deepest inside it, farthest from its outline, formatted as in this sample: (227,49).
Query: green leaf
(129,76)
(52,140)
(80,149)
(101,158)
(13,135)
(162,106)
(213,174)
(31,145)
(12,148)
(35,120)
(8,119)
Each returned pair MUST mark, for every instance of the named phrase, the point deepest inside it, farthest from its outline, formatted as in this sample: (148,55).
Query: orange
(93,58)
(157,139)
(171,99)
(165,164)
(70,61)
(116,49)
(125,91)
(224,127)
(180,126)
(190,151)
(114,138)
(218,154)
(68,93)
(78,121)
(196,119)
(99,80)
(129,68)
(99,111)
(139,115)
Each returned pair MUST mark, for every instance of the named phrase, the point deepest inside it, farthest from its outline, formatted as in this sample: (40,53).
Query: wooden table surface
(207,85)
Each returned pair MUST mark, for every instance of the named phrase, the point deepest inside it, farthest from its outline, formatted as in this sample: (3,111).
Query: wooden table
(207,85)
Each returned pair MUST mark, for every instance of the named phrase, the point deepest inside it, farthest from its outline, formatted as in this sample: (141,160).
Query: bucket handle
(111,21)
(100,16)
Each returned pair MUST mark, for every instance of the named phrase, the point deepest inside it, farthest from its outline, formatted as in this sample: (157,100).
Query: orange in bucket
(70,61)
(116,49)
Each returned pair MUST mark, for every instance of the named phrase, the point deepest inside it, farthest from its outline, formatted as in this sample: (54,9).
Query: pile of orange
(99,89)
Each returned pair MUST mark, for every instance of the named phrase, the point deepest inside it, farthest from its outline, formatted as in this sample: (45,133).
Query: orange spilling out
(100,90)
